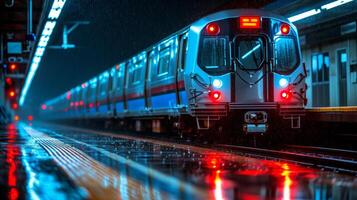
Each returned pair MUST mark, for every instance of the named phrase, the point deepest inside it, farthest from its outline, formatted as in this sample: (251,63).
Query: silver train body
(242,66)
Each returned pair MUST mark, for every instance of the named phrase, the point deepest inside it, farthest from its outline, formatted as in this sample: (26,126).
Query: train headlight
(283,82)
(217,83)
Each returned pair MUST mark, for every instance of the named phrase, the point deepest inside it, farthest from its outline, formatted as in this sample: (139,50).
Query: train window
(320,64)
(286,54)
(213,55)
(137,75)
(164,61)
(251,53)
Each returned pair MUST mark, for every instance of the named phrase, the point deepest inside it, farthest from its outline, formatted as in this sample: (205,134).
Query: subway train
(236,71)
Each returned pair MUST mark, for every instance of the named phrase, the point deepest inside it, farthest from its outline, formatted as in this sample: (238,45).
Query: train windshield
(250,53)
(286,54)
(213,57)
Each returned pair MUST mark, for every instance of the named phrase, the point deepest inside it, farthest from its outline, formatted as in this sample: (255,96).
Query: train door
(249,55)
(342,76)
(149,65)
(181,61)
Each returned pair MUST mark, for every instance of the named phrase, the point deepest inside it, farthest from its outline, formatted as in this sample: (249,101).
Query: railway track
(333,152)
(307,155)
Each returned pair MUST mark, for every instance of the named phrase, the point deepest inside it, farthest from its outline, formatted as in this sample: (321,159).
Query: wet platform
(44,161)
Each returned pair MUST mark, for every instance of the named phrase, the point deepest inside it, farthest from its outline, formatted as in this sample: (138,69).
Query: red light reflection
(218,194)
(12,152)
(287,182)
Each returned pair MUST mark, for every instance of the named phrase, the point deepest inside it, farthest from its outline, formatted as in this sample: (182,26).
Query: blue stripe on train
(183,97)
(136,104)
(120,107)
(163,101)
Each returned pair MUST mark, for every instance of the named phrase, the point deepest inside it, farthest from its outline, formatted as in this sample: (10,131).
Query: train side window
(164,61)
(286,54)
(137,72)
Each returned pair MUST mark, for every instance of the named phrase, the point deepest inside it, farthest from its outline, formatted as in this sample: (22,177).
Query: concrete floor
(55,162)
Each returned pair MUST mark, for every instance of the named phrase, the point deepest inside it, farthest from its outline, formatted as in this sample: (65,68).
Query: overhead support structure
(318,10)
(67,29)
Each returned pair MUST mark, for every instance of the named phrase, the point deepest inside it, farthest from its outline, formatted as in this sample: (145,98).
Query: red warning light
(285,95)
(252,22)
(213,29)
(285,29)
(13,67)
(15,106)
(43,107)
(8,81)
(30,117)
(12,93)
(215,95)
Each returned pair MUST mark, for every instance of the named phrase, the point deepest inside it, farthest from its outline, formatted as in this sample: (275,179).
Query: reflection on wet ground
(138,169)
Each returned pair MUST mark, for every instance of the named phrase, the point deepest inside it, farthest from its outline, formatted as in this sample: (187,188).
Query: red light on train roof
(213,29)
(30,117)
(252,22)
(285,29)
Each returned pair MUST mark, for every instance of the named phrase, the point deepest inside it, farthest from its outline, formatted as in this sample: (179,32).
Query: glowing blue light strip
(335,4)
(312,12)
(41,46)
(250,52)
(304,15)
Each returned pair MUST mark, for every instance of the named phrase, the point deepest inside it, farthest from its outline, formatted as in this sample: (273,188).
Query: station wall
(332,74)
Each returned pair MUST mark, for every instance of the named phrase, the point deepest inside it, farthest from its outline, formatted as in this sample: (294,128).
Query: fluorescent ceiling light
(304,15)
(335,4)
(41,46)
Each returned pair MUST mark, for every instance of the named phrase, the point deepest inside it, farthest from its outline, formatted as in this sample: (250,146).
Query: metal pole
(29,16)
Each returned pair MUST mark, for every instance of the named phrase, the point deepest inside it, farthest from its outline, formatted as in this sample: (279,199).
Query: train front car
(245,72)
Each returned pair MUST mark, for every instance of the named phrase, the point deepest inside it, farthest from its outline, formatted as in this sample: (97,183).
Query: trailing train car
(236,69)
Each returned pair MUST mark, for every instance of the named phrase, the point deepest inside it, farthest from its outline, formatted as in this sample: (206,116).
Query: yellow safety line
(333,109)
(99,181)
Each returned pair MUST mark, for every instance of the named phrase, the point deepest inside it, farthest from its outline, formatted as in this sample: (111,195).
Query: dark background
(118,29)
